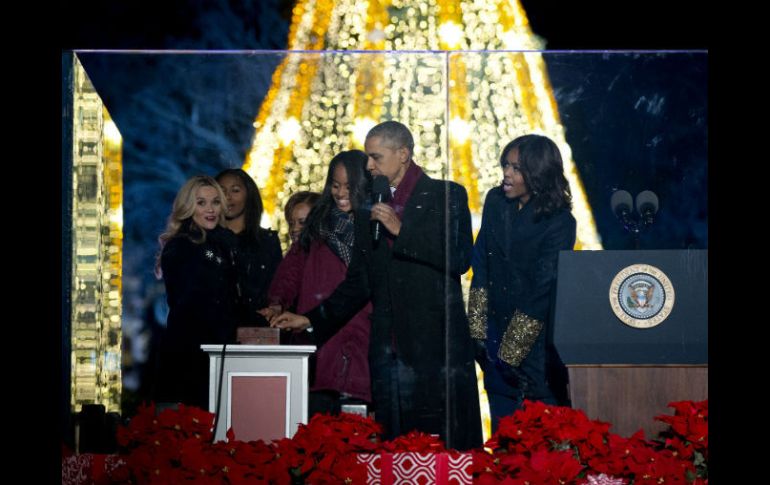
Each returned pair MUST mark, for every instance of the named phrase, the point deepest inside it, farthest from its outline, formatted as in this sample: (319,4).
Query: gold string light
(462,107)
(97,235)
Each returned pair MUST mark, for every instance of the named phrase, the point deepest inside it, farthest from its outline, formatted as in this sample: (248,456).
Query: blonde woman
(197,266)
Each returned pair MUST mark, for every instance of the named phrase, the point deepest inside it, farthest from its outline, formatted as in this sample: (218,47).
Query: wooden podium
(626,369)
(264,389)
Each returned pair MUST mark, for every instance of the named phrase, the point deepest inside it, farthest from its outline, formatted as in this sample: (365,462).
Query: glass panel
(632,121)
(639,121)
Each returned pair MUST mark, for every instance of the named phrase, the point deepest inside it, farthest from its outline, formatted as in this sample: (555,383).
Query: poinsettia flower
(660,467)
(328,435)
(233,472)
(288,453)
(486,479)
(196,456)
(321,477)
(620,451)
(690,422)
(511,463)
(595,443)
(361,443)
(245,453)
(276,472)
(509,481)
(142,424)
(347,469)
(414,441)
(683,449)
(538,444)
(164,475)
(485,464)
(558,466)
(188,421)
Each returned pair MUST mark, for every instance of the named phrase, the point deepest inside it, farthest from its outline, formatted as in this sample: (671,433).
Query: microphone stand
(632,226)
(646,210)
(219,391)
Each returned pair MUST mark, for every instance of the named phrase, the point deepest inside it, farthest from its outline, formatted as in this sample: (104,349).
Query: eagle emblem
(640,295)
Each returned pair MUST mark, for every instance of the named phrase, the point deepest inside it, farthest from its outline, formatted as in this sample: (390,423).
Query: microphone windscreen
(647,201)
(381,186)
(621,199)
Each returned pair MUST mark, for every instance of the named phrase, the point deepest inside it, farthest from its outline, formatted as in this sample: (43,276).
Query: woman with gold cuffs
(525,223)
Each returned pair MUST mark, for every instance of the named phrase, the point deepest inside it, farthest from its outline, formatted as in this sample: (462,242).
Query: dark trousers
(387,384)
(501,405)
(329,402)
(386,396)
(323,402)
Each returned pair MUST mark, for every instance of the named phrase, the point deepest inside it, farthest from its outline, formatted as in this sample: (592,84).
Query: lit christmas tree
(448,70)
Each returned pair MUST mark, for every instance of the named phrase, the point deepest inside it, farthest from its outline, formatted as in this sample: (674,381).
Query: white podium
(264,389)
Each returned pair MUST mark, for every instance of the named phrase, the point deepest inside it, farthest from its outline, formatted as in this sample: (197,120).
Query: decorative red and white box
(417,468)
(90,469)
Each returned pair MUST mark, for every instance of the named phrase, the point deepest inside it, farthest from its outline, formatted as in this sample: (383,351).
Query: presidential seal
(641,296)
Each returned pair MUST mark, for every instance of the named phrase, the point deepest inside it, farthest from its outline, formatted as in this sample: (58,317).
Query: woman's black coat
(256,259)
(201,291)
(515,263)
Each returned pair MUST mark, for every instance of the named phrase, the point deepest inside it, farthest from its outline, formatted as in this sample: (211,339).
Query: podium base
(630,397)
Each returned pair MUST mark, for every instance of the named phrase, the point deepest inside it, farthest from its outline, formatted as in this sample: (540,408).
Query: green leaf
(699,460)
(563,446)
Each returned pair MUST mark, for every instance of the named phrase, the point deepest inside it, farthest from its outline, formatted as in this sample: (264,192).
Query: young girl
(311,271)
(297,209)
(258,249)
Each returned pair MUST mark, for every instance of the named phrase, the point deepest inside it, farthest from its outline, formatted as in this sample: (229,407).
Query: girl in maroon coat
(313,268)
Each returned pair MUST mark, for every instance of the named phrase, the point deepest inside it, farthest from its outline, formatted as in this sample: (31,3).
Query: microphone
(380,193)
(647,205)
(621,203)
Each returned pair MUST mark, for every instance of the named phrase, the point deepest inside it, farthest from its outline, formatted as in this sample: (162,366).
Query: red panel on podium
(264,390)
(259,407)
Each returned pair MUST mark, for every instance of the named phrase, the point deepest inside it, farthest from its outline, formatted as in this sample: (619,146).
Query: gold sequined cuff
(477,313)
(518,338)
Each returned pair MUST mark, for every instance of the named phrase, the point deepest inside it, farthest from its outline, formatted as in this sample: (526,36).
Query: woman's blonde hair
(180,220)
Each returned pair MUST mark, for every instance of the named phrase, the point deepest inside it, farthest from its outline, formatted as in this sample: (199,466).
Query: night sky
(653,24)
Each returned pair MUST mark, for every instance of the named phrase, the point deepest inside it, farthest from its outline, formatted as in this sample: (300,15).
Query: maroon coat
(306,279)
